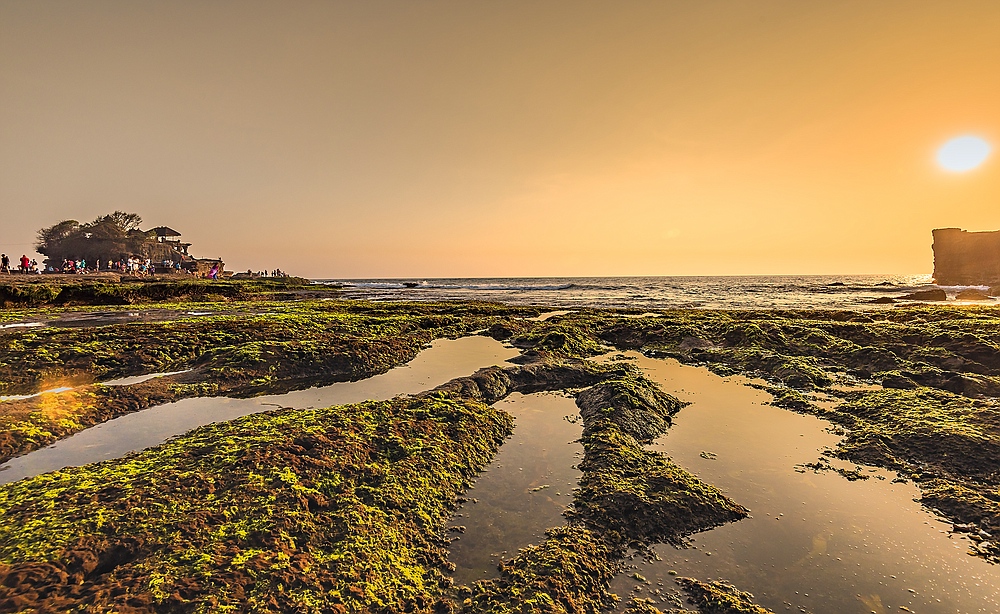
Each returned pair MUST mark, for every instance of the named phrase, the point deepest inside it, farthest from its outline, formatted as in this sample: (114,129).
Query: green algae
(939,365)
(275,347)
(336,509)
(929,431)
(708,597)
(633,403)
(568,572)
(43,292)
(720,598)
(638,497)
(628,498)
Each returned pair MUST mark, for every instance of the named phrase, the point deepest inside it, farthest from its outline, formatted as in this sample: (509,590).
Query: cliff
(963,258)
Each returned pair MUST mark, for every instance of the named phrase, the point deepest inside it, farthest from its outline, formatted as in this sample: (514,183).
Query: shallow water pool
(524,490)
(444,360)
(816,542)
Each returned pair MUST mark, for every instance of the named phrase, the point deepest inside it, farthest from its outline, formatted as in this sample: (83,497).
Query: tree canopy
(109,237)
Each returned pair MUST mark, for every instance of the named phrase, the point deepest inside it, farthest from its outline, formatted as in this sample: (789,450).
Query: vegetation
(109,237)
(262,347)
(41,291)
(291,511)
(344,509)
(629,498)
(913,386)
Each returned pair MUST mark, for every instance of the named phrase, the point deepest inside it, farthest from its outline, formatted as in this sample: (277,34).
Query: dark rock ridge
(935,294)
(963,258)
(972,294)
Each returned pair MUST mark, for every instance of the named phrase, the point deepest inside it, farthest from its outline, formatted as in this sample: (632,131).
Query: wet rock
(972,294)
(633,403)
(895,380)
(494,383)
(720,598)
(936,294)
(882,300)
(573,567)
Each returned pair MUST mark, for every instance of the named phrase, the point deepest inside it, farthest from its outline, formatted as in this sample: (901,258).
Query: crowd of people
(25,265)
(139,267)
(275,273)
(129,266)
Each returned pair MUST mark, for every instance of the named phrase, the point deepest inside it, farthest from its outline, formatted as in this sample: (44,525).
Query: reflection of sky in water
(524,490)
(445,360)
(814,540)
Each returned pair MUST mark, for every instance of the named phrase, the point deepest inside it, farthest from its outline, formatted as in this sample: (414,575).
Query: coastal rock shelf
(444,360)
(524,490)
(815,540)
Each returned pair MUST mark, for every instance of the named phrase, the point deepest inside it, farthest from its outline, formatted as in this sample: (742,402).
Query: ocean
(641,293)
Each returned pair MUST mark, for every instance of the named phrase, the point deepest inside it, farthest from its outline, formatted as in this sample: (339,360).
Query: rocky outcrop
(963,258)
(935,294)
(972,294)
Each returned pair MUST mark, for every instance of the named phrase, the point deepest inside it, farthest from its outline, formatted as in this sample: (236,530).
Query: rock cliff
(963,258)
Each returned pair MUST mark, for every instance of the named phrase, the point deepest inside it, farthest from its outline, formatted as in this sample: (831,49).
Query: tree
(109,237)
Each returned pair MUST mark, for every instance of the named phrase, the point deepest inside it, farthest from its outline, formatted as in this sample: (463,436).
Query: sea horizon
(657,292)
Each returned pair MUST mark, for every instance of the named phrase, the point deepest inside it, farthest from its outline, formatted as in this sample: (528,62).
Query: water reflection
(524,490)
(445,360)
(815,540)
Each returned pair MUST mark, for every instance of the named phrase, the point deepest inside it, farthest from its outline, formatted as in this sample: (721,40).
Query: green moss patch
(306,511)
(273,348)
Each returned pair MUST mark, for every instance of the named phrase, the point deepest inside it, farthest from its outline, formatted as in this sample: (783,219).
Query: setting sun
(963,153)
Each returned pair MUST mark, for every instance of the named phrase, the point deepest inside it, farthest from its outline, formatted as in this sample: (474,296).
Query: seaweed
(272,348)
(339,509)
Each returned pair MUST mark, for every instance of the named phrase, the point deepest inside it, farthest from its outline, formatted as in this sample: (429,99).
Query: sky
(484,139)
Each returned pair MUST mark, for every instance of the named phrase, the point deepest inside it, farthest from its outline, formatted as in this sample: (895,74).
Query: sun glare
(963,153)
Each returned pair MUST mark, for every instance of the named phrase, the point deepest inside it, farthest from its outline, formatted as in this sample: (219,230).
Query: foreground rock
(629,498)
(935,421)
(342,509)
(291,511)
(265,347)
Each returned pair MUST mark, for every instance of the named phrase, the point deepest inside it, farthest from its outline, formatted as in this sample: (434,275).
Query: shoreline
(911,387)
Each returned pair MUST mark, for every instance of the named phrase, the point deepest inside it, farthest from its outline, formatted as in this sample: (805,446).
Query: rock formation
(963,258)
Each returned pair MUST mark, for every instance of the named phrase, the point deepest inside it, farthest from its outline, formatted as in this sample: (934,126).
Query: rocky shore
(344,508)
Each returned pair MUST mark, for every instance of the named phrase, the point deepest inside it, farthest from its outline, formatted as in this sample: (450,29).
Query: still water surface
(815,540)
(445,360)
(524,490)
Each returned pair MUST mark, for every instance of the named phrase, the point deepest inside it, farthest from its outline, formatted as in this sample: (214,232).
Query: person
(213,273)
(25,261)
(4,263)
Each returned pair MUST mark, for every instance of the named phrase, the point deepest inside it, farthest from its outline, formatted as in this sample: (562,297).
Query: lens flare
(963,153)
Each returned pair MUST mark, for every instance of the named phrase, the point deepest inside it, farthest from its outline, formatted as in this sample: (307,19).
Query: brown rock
(972,294)
(936,294)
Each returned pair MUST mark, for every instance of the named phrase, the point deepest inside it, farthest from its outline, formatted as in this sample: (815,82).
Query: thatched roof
(164,231)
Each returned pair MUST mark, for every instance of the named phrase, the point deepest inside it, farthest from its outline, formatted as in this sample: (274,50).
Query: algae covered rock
(636,405)
(641,496)
(631,493)
(289,511)
(569,572)
(720,598)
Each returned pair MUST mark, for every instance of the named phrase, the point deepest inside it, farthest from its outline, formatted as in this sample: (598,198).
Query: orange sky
(435,139)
